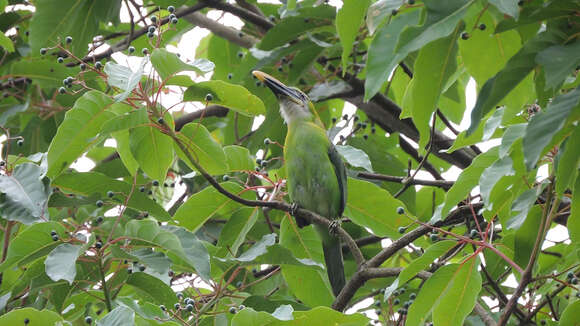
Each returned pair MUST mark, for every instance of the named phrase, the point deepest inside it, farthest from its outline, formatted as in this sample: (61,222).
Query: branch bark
(435,183)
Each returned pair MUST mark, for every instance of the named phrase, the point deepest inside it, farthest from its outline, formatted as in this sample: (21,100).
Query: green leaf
(492,174)
(26,195)
(124,149)
(290,28)
(419,264)
(543,127)
(35,317)
(361,207)
(525,236)
(510,135)
(284,315)
(234,233)
(206,204)
(203,147)
(151,233)
(259,248)
(568,163)
(119,316)
(355,157)
(156,260)
(502,83)
(153,150)
(308,284)
(379,11)
(573,223)
(559,62)
(76,134)
(195,252)
(128,120)
(382,57)
(234,97)
(6,43)
(152,289)
(571,314)
(238,158)
(521,206)
(32,243)
(46,73)
(124,78)
(467,180)
(54,20)
(449,294)
(90,183)
(348,21)
(61,262)
(168,64)
(508,7)
(498,48)
(433,68)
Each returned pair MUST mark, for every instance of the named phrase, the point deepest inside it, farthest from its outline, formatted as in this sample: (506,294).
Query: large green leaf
(316,316)
(467,180)
(355,157)
(124,77)
(507,7)
(61,262)
(152,289)
(545,125)
(449,295)
(196,253)
(498,48)
(348,21)
(119,316)
(492,174)
(235,230)
(309,18)
(153,150)
(515,70)
(78,130)
(419,264)
(32,243)
(125,121)
(559,62)
(361,207)
(88,184)
(234,97)
(54,20)
(382,57)
(150,233)
(308,284)
(238,158)
(379,11)
(26,194)
(35,317)
(206,204)
(433,68)
(203,147)
(168,64)
(568,163)
(526,235)
(571,315)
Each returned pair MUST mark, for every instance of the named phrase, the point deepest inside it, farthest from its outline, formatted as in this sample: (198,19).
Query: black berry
(68,40)
(20,142)
(174,21)
(43,51)
(400,210)
(98,245)
(131,49)
(110,194)
(142,189)
(482,26)
(99,203)
(151,29)
(155,183)
(60,59)
(189,307)
(402,230)
(171,9)
(98,65)
(233,310)
(55,237)
(464,36)
(62,90)
(208,97)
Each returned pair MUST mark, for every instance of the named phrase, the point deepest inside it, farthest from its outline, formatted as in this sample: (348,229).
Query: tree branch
(244,14)
(390,178)
(231,34)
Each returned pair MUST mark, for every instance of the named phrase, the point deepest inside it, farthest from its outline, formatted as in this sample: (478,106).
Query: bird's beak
(277,87)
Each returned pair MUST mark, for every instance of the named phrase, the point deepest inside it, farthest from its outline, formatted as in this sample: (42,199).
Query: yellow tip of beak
(260,75)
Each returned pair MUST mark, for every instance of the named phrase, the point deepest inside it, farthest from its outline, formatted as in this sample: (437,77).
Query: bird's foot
(333,227)
(293,209)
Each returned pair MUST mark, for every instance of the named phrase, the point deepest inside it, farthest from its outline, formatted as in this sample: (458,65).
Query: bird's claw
(333,227)
(293,209)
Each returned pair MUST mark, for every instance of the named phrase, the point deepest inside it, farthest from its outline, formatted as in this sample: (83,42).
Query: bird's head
(294,104)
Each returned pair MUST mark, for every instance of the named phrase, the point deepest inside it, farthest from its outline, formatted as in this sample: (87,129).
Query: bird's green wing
(340,171)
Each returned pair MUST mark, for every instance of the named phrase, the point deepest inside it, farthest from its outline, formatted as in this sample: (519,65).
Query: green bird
(316,175)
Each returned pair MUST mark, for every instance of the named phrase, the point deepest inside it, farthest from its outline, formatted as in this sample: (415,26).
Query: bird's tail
(333,259)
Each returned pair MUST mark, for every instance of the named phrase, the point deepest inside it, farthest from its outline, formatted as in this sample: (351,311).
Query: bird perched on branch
(316,175)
